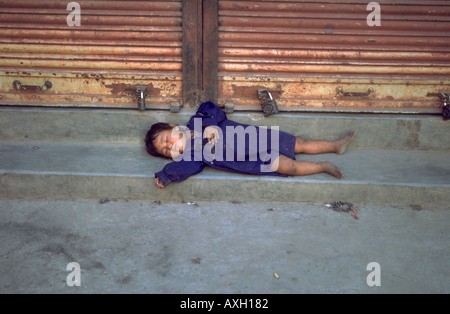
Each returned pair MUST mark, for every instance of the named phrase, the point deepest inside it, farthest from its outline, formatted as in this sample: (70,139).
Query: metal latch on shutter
(37,88)
(341,93)
(268,103)
(445,98)
(141,93)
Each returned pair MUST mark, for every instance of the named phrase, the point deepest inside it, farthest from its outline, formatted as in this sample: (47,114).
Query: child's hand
(212,134)
(159,184)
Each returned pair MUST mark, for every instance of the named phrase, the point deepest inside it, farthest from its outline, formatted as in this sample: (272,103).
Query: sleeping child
(210,139)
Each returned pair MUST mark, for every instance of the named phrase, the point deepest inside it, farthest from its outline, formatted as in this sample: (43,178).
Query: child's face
(169,143)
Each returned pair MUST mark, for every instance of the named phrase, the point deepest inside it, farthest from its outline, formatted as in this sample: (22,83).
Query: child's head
(161,141)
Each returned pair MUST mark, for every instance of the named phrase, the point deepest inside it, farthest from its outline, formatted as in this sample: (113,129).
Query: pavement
(190,247)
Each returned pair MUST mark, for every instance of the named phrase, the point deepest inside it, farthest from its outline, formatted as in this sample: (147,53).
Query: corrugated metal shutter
(119,45)
(323,56)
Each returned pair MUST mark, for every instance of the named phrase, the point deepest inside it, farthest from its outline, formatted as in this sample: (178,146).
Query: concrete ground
(221,247)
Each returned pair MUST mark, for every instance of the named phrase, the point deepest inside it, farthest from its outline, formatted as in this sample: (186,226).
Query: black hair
(152,134)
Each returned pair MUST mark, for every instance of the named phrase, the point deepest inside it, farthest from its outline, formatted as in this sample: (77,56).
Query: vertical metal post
(200,51)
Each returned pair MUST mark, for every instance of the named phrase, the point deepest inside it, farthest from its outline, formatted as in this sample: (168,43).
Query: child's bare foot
(341,144)
(333,170)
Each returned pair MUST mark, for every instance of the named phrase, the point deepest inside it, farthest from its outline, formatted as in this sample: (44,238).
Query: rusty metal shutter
(323,56)
(119,45)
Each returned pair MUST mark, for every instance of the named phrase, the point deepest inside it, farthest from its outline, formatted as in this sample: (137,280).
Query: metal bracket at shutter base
(19,86)
(340,93)
(175,107)
(229,107)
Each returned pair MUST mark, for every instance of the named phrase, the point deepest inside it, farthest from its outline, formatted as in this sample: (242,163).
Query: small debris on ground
(197,260)
(344,207)
(276,276)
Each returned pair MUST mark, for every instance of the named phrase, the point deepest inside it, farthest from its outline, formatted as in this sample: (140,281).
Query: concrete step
(78,153)
(90,170)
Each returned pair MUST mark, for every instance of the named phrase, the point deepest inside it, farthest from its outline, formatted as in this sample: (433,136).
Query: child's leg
(323,147)
(287,166)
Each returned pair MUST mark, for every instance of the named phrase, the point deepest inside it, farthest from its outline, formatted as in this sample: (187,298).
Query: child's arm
(177,172)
